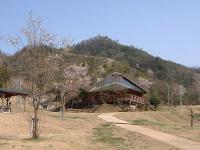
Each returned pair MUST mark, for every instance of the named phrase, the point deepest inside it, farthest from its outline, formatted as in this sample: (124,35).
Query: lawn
(78,131)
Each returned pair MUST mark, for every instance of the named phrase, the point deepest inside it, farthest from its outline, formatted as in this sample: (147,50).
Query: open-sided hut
(116,89)
(6,94)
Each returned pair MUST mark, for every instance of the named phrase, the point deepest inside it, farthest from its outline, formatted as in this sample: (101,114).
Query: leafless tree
(192,99)
(40,66)
(191,110)
(174,91)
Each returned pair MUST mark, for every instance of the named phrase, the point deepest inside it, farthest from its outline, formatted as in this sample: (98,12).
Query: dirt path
(158,135)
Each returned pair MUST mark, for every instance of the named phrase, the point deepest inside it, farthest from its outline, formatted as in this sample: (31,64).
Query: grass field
(78,131)
(168,120)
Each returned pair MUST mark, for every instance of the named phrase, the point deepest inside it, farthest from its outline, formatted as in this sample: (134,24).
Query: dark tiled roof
(13,92)
(123,84)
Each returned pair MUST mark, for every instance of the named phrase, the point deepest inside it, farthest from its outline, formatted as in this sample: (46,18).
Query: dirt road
(158,135)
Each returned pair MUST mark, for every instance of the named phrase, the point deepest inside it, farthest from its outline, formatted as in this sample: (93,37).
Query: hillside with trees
(103,56)
(139,61)
(168,78)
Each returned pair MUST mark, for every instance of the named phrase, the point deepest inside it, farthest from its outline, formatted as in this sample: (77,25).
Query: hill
(138,61)
(104,56)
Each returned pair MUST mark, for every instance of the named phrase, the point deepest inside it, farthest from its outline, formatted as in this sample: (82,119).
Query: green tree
(155,101)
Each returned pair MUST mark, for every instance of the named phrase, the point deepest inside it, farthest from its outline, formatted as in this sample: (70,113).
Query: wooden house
(115,89)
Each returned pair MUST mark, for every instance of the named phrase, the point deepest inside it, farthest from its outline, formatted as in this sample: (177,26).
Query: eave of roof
(13,92)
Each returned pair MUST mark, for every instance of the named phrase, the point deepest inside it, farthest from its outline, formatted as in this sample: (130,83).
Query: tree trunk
(172,100)
(72,103)
(35,134)
(62,112)
(168,97)
(192,120)
(7,103)
(181,99)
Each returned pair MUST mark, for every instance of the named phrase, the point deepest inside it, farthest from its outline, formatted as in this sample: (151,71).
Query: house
(116,89)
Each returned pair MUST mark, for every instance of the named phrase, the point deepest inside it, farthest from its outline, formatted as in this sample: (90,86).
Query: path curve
(158,135)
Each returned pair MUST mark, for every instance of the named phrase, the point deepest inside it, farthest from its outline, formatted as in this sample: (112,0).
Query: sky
(169,29)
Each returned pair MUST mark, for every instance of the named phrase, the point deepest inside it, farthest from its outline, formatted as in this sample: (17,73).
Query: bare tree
(191,110)
(179,92)
(192,99)
(174,92)
(39,64)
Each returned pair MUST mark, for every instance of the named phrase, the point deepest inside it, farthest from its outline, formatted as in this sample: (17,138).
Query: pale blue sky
(166,28)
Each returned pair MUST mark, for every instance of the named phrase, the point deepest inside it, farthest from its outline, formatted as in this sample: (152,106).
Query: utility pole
(182,91)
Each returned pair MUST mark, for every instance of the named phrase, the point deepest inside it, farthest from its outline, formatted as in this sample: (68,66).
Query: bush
(154,101)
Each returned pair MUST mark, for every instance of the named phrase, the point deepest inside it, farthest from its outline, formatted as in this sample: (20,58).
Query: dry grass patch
(105,134)
(78,131)
(115,138)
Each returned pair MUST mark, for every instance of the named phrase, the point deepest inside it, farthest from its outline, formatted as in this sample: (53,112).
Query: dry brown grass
(113,137)
(78,131)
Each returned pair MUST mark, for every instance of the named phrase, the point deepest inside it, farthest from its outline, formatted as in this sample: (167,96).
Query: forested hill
(104,56)
(136,60)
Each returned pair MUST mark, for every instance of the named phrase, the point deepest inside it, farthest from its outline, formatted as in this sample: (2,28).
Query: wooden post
(24,103)
(2,98)
(192,120)
(7,99)
(61,113)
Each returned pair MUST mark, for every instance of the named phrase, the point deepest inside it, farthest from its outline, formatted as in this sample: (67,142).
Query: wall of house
(109,97)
